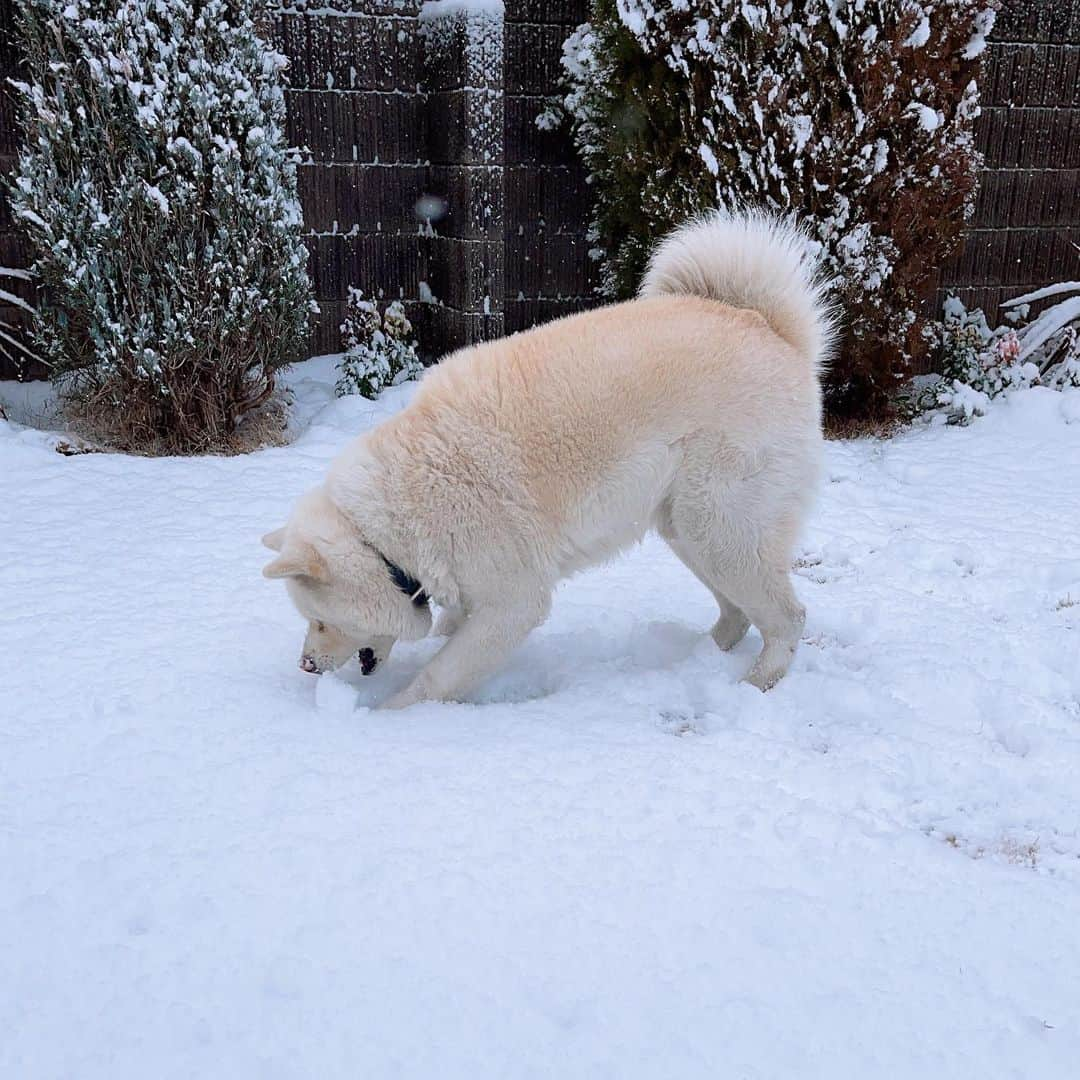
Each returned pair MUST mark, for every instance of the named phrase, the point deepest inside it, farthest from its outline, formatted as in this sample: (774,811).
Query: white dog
(693,410)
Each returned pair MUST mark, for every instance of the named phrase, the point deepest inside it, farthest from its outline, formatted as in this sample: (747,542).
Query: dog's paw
(730,630)
(401,700)
(412,694)
(760,680)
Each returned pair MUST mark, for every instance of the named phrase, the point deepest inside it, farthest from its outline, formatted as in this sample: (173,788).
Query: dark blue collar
(406,583)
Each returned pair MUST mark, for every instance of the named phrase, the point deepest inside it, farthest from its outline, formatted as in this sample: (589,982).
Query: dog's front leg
(449,621)
(482,642)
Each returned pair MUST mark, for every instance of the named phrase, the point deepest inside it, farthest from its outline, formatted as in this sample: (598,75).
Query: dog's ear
(275,540)
(301,560)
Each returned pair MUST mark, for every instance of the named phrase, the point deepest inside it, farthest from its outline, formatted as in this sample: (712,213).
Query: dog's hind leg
(485,638)
(732,625)
(764,592)
(744,556)
(752,586)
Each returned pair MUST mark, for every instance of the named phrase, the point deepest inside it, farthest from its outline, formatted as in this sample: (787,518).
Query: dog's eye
(321,627)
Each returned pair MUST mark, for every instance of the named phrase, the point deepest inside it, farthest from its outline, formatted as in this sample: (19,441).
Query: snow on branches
(160,196)
(857,114)
(978,364)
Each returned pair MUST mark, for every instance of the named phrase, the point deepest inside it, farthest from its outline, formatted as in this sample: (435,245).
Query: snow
(155,195)
(881,156)
(633,18)
(920,35)
(1044,293)
(929,119)
(984,23)
(967,400)
(432,10)
(616,857)
(1050,323)
(802,127)
(549,119)
(10,298)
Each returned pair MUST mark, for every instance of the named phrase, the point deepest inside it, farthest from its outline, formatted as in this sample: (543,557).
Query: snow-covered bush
(160,196)
(858,115)
(977,364)
(379,350)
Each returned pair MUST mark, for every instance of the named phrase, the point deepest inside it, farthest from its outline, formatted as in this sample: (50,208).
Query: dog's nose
(368,661)
(309,665)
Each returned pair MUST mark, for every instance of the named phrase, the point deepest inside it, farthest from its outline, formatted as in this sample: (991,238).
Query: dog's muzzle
(368,661)
(308,664)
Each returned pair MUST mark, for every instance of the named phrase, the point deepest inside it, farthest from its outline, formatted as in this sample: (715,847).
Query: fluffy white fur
(749,260)
(693,410)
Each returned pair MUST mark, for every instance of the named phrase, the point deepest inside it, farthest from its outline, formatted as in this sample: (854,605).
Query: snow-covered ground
(617,862)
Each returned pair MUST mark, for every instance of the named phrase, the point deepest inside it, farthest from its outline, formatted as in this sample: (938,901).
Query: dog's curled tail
(749,259)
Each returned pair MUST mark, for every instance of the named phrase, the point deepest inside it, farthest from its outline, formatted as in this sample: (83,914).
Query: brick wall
(464,72)
(1026,227)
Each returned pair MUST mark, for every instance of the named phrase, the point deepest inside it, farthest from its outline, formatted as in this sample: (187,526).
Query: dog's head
(356,604)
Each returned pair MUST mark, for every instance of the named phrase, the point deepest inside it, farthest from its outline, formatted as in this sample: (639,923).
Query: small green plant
(379,349)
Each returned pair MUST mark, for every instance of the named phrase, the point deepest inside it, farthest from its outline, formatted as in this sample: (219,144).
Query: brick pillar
(548,270)
(463,81)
